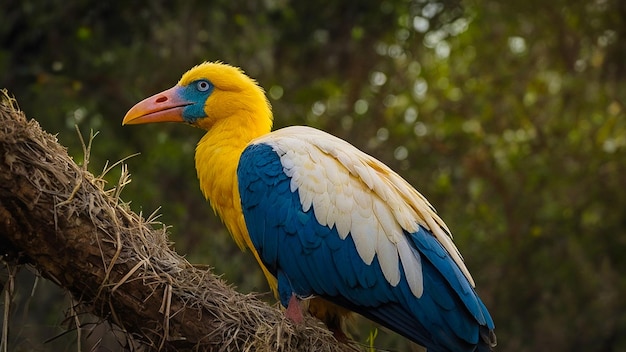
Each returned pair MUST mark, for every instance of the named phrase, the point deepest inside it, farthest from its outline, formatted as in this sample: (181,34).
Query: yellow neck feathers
(217,157)
(237,111)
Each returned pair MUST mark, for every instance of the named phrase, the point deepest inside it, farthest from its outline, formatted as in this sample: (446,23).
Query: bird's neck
(217,157)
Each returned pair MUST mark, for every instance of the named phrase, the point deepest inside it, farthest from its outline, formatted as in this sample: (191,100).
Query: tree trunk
(57,216)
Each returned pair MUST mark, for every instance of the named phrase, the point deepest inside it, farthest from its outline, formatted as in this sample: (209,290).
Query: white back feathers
(361,196)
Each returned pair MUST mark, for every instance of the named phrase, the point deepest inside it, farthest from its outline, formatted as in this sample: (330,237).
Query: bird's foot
(294,310)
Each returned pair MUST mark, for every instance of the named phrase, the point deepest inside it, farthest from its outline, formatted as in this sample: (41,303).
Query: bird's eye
(203,86)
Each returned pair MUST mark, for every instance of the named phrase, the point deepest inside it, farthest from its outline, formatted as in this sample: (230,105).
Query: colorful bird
(328,223)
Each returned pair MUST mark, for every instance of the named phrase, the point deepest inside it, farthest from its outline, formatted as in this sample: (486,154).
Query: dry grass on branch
(117,264)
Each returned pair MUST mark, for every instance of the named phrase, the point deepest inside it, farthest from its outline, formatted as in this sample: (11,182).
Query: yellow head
(209,94)
(233,109)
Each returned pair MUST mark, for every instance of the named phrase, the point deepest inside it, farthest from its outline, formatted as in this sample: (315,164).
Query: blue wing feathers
(311,259)
(488,321)
(341,260)
(328,276)
(427,245)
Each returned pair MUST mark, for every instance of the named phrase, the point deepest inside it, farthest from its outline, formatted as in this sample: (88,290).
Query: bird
(330,225)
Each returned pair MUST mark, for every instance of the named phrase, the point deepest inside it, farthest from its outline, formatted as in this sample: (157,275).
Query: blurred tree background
(508,116)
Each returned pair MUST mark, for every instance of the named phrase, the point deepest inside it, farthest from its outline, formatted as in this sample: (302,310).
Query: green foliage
(371,339)
(508,116)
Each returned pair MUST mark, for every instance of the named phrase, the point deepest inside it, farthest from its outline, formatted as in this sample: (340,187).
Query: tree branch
(57,216)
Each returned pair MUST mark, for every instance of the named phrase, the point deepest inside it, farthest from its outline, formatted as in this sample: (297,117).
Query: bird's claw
(294,310)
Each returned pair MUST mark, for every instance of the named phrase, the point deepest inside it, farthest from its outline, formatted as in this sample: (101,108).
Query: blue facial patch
(196,92)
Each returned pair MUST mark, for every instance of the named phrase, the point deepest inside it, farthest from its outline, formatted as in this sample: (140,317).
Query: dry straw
(59,218)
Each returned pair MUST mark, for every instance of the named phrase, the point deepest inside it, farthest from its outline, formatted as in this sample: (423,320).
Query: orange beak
(166,106)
